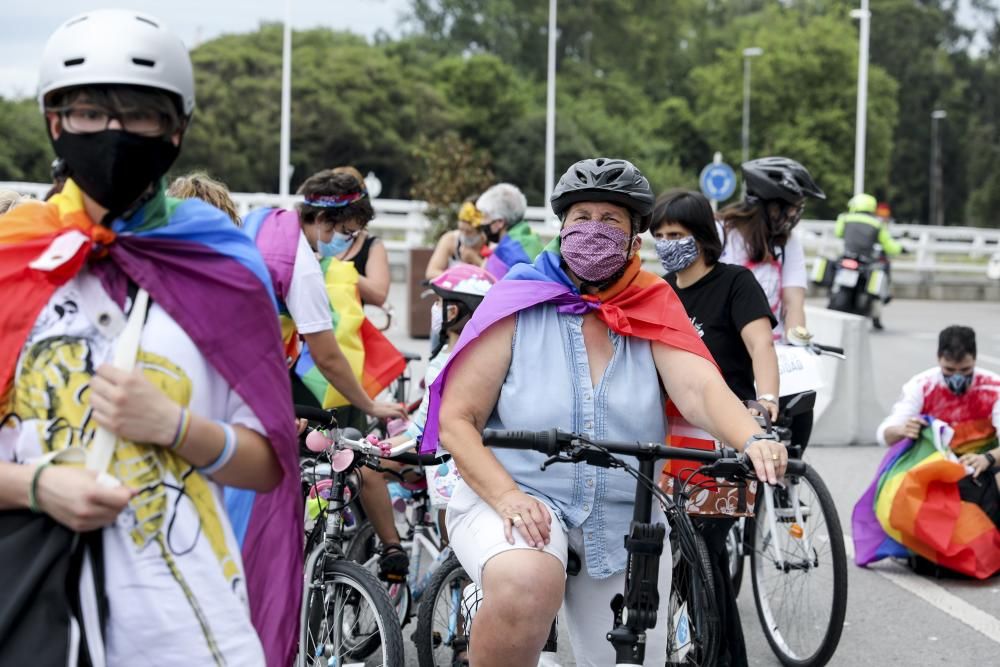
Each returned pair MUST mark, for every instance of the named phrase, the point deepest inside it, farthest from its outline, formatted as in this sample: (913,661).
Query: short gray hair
(8,200)
(503,201)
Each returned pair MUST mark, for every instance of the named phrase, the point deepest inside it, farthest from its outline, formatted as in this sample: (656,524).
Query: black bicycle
(635,610)
(346,614)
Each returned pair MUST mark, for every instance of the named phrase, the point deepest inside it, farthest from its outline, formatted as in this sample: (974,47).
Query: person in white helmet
(146,567)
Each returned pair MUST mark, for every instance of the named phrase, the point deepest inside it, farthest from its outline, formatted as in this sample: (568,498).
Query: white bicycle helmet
(117,46)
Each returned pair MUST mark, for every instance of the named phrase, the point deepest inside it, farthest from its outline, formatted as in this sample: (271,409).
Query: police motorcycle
(858,283)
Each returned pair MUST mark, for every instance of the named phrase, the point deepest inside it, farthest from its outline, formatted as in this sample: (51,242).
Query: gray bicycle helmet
(605,179)
(770,178)
(117,46)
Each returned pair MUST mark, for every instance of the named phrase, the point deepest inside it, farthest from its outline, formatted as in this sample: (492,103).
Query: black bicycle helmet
(770,178)
(604,179)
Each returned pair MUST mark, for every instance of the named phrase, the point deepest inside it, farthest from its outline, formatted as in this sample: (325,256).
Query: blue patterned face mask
(677,254)
(338,244)
(958,383)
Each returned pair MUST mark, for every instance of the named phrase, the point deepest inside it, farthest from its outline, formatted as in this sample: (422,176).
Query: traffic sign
(718,181)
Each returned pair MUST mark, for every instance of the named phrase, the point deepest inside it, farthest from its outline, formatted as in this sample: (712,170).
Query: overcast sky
(27,24)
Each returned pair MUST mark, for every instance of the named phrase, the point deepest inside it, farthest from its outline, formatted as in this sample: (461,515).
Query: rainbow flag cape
(520,245)
(210,279)
(639,304)
(276,234)
(913,506)
(375,361)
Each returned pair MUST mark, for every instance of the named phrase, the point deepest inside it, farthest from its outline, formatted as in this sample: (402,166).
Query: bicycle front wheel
(693,626)
(442,633)
(799,570)
(347,617)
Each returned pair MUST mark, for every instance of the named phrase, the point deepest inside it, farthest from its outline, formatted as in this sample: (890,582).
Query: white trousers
(476,534)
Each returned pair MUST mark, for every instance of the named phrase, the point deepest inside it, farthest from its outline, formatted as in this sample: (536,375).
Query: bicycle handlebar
(830,349)
(552,442)
(312,414)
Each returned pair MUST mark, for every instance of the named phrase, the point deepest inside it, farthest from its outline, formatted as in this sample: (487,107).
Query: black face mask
(114,167)
(491,236)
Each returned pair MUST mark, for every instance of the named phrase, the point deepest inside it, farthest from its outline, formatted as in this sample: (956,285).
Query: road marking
(938,597)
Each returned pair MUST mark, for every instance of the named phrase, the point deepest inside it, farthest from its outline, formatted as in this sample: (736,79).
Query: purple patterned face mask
(594,250)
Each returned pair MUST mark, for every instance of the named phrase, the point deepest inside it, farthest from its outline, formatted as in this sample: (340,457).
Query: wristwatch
(759,436)
(990,459)
(770,398)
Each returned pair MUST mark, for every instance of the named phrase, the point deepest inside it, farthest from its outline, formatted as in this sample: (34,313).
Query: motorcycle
(858,284)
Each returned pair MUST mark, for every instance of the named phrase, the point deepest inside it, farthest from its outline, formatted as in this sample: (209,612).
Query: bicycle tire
(362,547)
(777,632)
(449,575)
(734,541)
(370,596)
(691,584)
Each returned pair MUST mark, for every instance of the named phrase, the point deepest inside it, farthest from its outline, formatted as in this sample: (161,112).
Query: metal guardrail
(962,252)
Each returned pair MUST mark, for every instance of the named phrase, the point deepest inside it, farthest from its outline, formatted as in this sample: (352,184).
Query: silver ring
(514,519)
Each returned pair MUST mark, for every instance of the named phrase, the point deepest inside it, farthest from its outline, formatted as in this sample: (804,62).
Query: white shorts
(476,534)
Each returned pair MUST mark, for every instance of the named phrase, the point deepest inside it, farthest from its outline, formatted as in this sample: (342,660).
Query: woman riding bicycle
(730,311)
(585,341)
(758,234)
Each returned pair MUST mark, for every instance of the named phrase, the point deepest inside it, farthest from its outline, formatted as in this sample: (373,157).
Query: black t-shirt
(724,301)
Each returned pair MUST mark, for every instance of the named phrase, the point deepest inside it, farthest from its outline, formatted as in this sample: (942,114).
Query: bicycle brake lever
(558,458)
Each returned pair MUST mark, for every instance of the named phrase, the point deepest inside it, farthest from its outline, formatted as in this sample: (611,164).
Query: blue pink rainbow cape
(914,506)
(519,246)
(639,304)
(207,275)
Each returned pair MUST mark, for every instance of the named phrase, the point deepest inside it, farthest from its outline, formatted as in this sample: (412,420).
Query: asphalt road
(894,617)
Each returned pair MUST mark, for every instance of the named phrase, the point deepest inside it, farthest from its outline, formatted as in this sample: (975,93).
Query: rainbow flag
(913,506)
(520,245)
(375,361)
(639,304)
(208,276)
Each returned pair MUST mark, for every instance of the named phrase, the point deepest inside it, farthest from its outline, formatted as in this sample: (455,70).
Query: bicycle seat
(411,356)
(796,404)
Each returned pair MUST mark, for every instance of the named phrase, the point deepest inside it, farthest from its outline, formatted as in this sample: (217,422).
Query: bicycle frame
(636,610)
(772,521)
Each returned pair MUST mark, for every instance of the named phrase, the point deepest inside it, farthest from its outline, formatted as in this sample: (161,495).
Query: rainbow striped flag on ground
(914,506)
(208,276)
(375,361)
(639,304)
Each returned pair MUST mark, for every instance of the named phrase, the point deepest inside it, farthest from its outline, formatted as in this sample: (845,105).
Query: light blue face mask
(338,244)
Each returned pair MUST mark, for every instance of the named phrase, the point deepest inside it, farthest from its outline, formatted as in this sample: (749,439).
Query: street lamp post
(284,171)
(861,121)
(550,108)
(748,53)
(936,213)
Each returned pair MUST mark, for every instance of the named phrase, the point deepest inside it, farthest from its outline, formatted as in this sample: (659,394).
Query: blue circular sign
(718,181)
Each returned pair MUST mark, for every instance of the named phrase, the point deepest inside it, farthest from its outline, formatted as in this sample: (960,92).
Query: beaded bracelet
(33,488)
(183,424)
(226,455)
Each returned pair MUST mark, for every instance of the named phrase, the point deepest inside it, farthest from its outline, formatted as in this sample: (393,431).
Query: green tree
(802,99)
(25,152)
(449,170)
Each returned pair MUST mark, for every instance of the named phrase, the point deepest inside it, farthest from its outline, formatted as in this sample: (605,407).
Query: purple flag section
(504,299)
(871,543)
(242,341)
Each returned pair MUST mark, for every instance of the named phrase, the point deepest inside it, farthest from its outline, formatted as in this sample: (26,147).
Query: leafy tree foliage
(25,152)
(656,82)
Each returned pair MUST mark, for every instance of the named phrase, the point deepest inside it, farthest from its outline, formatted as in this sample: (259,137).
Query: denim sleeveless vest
(548,385)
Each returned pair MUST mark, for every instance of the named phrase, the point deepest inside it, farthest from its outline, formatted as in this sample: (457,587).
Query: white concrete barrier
(847,411)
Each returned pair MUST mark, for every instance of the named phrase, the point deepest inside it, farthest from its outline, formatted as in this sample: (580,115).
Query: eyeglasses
(90,119)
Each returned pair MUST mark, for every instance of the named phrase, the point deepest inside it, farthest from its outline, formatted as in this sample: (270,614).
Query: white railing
(932,251)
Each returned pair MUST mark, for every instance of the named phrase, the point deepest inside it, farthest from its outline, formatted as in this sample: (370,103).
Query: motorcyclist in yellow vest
(861,229)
